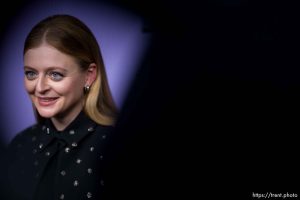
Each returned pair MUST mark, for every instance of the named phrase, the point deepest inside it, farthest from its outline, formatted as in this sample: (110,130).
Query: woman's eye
(56,76)
(30,75)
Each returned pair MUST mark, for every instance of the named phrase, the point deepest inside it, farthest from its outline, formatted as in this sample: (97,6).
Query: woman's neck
(61,122)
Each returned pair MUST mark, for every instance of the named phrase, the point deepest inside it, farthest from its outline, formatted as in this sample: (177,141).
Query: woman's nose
(42,84)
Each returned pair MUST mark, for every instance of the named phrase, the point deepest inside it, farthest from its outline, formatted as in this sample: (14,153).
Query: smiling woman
(118,30)
(61,156)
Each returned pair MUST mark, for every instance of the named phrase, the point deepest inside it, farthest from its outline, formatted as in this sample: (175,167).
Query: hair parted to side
(71,36)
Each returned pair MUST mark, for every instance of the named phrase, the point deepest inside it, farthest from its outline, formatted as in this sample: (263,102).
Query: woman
(61,157)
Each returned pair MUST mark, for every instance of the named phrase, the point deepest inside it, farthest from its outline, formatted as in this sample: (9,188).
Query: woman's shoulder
(24,135)
(99,134)
(105,128)
(21,144)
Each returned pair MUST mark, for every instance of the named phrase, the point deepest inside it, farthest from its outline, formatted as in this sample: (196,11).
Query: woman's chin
(45,114)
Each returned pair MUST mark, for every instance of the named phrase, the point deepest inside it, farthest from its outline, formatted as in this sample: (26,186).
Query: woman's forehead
(48,56)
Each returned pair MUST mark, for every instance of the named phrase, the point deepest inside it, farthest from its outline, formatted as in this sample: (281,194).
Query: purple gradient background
(118,32)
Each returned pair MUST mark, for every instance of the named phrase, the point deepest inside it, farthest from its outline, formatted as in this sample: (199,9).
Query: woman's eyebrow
(48,68)
(28,67)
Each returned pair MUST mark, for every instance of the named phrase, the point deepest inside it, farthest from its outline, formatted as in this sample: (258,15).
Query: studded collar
(81,127)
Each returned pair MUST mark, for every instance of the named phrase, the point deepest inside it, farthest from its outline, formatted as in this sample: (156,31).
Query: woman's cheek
(59,88)
(29,86)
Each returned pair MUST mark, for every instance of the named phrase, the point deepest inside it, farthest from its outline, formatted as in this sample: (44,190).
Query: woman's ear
(91,74)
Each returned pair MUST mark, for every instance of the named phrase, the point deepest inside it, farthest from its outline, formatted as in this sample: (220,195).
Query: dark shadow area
(10,11)
(213,111)
(2,168)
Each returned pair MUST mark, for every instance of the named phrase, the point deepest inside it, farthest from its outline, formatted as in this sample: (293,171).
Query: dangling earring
(86,89)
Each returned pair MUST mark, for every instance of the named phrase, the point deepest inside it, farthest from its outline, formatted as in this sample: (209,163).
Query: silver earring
(86,89)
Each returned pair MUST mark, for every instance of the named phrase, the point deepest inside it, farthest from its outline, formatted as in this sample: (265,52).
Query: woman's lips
(47,101)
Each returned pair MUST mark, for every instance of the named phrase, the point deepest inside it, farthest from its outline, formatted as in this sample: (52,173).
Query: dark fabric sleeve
(10,155)
(7,155)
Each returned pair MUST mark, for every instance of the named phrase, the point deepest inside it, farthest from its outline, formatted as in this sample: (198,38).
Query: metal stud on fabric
(91,129)
(62,196)
(67,149)
(89,195)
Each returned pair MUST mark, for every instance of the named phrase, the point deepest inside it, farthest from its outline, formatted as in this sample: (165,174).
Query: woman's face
(54,82)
